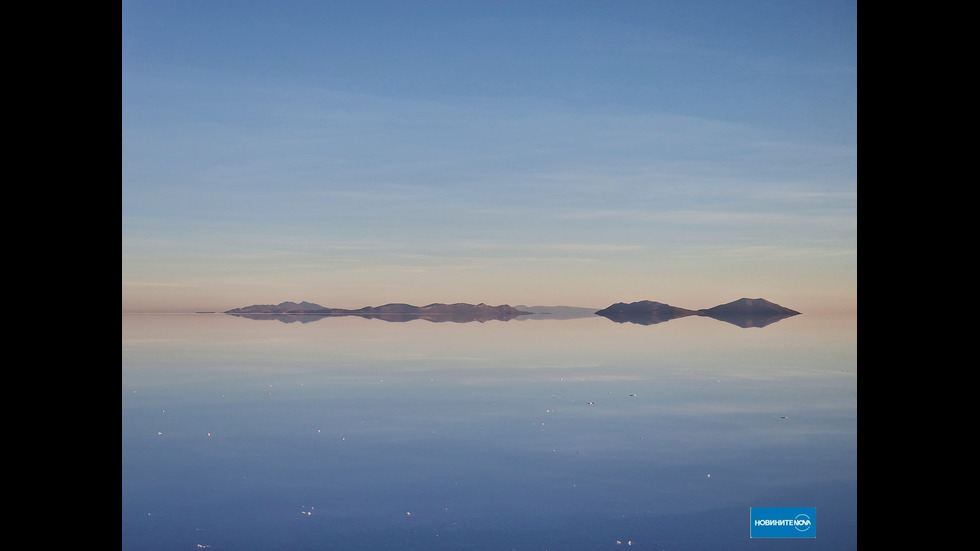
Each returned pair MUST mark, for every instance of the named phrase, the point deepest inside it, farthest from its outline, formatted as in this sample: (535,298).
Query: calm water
(349,433)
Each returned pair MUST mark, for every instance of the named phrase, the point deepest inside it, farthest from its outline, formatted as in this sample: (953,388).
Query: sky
(574,153)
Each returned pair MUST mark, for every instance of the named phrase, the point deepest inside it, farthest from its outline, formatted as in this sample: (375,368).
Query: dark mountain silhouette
(744,312)
(749,312)
(644,312)
(304,312)
(281,308)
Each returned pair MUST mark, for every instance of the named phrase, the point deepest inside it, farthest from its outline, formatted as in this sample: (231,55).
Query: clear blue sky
(578,153)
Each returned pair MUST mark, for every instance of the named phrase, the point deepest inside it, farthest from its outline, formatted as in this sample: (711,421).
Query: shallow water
(352,433)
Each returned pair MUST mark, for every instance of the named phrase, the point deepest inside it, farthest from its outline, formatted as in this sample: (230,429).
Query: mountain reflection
(741,320)
(750,320)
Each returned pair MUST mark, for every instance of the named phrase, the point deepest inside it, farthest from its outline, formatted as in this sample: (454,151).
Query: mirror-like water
(352,433)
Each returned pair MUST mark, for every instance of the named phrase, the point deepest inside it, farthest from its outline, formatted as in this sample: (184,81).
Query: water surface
(352,433)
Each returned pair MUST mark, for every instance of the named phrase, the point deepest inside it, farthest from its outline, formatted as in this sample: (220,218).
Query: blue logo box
(783,522)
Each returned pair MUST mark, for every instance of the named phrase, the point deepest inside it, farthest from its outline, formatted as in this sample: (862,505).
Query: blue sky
(579,153)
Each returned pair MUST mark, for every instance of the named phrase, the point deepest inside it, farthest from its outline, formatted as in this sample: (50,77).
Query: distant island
(749,312)
(644,312)
(744,312)
(438,312)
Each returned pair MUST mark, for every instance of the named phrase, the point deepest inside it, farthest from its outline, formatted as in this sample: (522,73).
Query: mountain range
(458,312)
(744,312)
